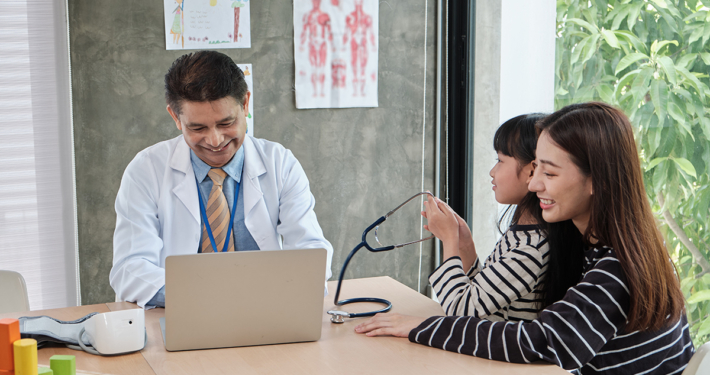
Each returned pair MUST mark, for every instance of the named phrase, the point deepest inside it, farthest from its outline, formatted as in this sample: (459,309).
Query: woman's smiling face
(564,191)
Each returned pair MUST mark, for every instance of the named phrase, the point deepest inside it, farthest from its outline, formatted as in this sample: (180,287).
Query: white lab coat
(158,213)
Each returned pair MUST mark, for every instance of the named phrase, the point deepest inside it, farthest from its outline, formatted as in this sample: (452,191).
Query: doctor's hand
(389,324)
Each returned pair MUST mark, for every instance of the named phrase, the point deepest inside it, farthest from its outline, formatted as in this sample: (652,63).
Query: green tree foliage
(651,58)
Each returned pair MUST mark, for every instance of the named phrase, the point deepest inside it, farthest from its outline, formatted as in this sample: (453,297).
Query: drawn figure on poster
(237,5)
(316,29)
(358,27)
(178,28)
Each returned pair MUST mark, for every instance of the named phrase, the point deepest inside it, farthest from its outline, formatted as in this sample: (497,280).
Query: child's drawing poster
(249,77)
(336,50)
(207,24)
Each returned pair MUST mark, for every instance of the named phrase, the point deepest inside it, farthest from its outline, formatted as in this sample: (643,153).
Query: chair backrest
(700,363)
(13,292)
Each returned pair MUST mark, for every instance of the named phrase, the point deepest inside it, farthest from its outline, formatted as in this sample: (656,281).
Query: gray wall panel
(360,162)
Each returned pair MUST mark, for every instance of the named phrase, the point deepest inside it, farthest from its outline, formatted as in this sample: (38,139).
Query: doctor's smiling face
(214,130)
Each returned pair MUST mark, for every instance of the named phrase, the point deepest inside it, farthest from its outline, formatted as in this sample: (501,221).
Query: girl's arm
(501,281)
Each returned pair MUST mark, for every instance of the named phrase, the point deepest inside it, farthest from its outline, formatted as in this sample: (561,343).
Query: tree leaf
(706,33)
(694,81)
(628,77)
(628,60)
(623,12)
(585,24)
(685,60)
(676,113)
(634,15)
(606,93)
(706,57)
(705,125)
(633,39)
(659,97)
(668,68)
(696,34)
(704,328)
(578,50)
(703,295)
(656,46)
(686,166)
(654,163)
(610,38)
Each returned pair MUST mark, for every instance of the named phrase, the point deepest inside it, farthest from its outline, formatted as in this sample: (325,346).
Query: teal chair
(13,292)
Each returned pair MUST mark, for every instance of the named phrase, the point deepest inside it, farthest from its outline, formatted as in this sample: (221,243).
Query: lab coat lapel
(253,168)
(185,187)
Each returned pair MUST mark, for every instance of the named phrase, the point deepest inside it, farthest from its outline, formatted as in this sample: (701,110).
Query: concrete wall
(360,162)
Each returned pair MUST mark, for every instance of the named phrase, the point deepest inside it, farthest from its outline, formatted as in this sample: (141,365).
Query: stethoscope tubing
(388,304)
(337,315)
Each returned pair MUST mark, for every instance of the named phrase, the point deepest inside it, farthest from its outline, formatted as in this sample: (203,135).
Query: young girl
(625,315)
(507,287)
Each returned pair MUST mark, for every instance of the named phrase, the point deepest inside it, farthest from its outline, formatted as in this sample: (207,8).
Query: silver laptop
(243,298)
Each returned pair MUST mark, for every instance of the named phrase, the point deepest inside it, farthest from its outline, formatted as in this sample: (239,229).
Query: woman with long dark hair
(625,314)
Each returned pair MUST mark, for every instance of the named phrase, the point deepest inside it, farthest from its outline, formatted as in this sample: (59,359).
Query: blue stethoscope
(338,316)
(203,212)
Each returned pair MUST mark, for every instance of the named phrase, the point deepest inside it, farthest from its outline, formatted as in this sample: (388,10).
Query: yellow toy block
(25,357)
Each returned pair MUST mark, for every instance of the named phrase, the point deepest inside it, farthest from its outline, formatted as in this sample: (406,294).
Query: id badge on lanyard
(203,212)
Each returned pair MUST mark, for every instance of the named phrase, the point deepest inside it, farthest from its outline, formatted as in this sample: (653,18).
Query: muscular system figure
(316,29)
(358,25)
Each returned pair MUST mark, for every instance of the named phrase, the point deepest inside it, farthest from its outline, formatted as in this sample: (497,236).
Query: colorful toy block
(9,333)
(25,357)
(63,364)
(44,371)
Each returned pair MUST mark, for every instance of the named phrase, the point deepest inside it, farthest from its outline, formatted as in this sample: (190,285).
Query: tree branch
(699,258)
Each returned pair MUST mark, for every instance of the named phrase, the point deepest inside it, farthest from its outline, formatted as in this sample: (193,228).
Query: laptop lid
(243,298)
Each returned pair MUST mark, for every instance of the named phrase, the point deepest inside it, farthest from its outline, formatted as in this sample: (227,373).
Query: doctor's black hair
(203,76)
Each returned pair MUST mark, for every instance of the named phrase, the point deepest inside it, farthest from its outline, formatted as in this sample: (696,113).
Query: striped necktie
(217,214)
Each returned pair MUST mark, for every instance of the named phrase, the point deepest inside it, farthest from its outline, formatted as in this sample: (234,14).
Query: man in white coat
(214,186)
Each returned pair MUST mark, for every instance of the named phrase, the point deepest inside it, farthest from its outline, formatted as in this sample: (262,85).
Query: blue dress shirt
(241,236)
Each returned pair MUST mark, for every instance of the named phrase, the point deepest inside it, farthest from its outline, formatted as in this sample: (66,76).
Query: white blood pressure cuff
(117,332)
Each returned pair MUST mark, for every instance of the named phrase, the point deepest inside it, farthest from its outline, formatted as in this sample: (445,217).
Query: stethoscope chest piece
(337,316)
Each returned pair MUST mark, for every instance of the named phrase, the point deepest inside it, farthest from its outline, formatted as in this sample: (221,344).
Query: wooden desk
(340,349)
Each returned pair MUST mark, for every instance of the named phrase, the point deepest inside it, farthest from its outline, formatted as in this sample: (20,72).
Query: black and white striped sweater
(505,288)
(585,330)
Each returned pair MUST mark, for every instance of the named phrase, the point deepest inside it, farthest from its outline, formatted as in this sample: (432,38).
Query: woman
(626,313)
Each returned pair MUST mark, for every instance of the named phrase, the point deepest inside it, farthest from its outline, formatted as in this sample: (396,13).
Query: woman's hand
(389,324)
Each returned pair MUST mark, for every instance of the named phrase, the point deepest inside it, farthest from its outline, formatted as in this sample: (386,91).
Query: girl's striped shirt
(505,288)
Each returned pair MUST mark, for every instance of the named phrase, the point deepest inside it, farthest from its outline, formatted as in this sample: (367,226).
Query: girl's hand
(441,220)
(467,249)
(389,324)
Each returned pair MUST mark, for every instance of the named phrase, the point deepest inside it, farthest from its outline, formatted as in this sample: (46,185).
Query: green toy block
(63,364)
(44,371)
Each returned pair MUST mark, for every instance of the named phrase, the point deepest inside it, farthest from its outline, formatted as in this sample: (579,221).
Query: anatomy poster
(249,77)
(336,53)
(207,24)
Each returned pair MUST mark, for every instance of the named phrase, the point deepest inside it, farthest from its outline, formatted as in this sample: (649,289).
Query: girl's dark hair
(600,142)
(517,138)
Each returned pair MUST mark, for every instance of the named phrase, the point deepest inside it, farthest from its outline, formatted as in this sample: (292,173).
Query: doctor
(181,195)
